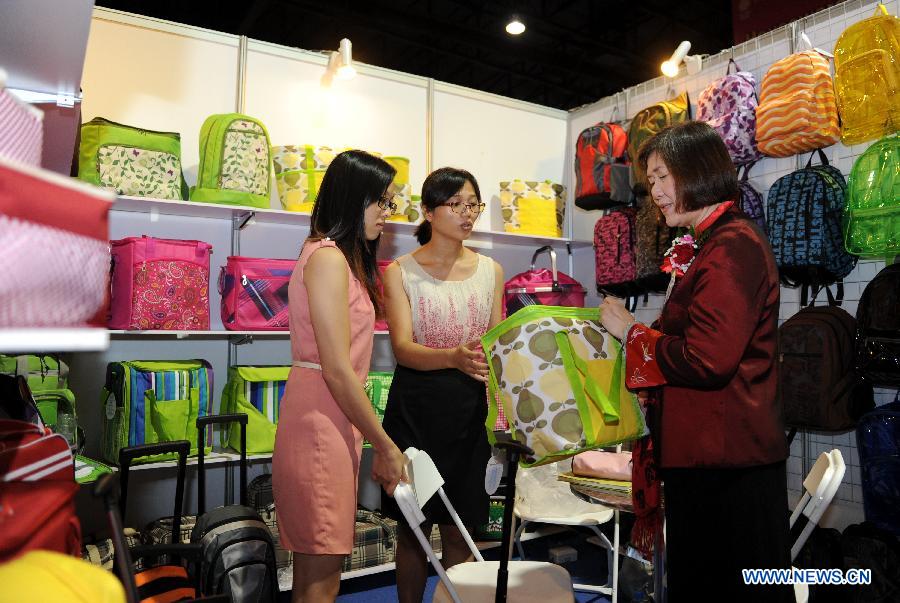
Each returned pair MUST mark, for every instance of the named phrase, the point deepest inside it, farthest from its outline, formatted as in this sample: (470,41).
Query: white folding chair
(540,495)
(819,487)
(474,581)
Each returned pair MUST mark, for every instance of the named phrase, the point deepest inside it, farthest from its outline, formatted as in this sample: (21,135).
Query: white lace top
(446,314)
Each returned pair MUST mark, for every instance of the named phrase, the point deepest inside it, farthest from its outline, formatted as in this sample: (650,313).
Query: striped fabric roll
(797,109)
(22,128)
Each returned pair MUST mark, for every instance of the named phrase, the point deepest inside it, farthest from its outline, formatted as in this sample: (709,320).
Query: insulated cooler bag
(255,391)
(542,287)
(299,170)
(255,293)
(130,160)
(560,377)
(23,129)
(378,384)
(160,284)
(533,207)
(54,236)
(403,197)
(234,161)
(150,401)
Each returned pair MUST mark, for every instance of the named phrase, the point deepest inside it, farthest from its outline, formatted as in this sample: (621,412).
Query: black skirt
(442,412)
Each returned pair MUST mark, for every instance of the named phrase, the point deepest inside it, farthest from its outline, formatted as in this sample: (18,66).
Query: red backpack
(614,253)
(602,171)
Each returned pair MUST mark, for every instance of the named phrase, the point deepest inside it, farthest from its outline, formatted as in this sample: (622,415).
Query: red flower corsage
(679,256)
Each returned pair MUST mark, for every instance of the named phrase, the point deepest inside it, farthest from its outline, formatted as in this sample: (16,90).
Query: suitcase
(542,287)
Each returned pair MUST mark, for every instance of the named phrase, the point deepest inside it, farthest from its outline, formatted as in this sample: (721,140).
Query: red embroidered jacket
(715,355)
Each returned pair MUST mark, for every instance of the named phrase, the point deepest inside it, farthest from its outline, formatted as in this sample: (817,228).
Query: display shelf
(191,209)
(53,340)
(161,334)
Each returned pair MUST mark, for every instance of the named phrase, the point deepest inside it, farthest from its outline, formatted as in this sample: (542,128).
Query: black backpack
(805,210)
(878,329)
(237,556)
(866,546)
(817,386)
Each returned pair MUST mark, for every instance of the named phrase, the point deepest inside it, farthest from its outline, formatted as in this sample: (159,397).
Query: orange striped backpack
(797,112)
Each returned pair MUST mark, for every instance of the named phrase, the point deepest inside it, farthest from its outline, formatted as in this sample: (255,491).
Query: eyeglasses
(458,206)
(386,202)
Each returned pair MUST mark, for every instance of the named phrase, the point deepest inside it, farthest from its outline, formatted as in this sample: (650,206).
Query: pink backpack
(255,293)
(160,284)
(614,243)
(729,105)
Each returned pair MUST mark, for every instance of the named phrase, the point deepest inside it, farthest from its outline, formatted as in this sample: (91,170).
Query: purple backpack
(729,105)
(751,200)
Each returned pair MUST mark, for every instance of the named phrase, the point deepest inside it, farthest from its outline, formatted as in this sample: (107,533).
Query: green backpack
(256,391)
(131,161)
(872,212)
(234,161)
(150,401)
(47,378)
(650,120)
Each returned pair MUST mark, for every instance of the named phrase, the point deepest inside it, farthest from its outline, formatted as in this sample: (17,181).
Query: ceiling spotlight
(515,26)
(340,64)
(670,67)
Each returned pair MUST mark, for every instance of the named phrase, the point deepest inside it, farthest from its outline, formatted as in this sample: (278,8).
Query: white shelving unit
(53,340)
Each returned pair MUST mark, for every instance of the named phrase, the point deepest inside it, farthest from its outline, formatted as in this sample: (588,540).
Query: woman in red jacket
(708,365)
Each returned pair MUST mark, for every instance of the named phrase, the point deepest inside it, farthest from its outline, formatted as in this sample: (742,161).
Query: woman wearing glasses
(325,411)
(439,300)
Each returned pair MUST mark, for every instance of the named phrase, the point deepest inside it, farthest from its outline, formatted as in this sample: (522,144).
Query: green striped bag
(149,401)
(256,391)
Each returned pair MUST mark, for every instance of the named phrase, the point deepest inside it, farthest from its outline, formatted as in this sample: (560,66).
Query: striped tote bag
(256,391)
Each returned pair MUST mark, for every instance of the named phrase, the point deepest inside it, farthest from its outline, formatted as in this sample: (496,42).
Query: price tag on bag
(492,475)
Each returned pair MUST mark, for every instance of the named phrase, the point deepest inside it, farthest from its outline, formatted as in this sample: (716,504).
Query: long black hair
(353,181)
(440,185)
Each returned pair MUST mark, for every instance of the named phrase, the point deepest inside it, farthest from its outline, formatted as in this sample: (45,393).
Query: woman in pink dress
(325,412)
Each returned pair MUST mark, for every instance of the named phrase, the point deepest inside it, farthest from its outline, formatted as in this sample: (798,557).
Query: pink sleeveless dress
(317,450)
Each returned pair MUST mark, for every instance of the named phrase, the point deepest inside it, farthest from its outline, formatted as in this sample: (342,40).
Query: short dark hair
(698,160)
(353,181)
(440,185)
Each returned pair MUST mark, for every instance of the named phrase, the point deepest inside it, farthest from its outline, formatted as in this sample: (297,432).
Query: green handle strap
(576,366)
(493,399)
(313,187)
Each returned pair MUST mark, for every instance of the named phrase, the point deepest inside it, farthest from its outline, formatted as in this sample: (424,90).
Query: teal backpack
(150,401)
(234,161)
(872,212)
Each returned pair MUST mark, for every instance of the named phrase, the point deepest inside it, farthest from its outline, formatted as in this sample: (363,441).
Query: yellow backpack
(867,78)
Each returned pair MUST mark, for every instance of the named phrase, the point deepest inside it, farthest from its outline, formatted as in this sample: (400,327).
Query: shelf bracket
(244,219)
(242,339)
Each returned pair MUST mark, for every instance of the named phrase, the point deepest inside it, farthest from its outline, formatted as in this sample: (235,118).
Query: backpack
(751,200)
(867,78)
(817,386)
(804,223)
(149,401)
(234,161)
(601,167)
(649,121)
(132,161)
(257,392)
(866,546)
(878,329)
(872,213)
(652,238)
(878,445)
(729,105)
(797,111)
(614,240)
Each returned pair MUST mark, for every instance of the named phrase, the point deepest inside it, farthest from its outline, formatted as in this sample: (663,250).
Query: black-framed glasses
(458,206)
(387,202)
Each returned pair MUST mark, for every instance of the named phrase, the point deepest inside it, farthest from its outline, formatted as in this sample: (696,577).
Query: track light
(340,64)
(515,26)
(670,67)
